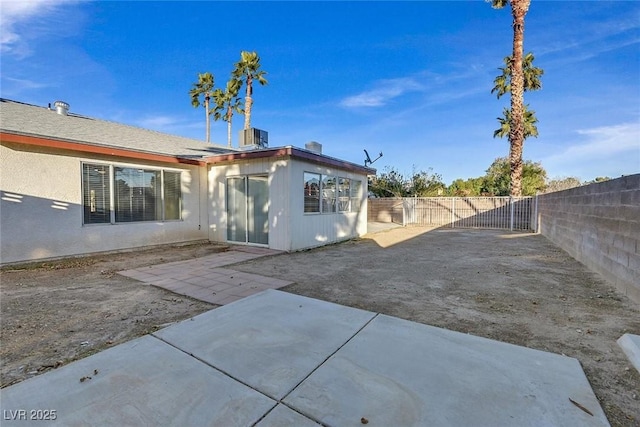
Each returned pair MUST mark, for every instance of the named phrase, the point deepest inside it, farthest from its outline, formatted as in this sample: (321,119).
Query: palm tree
(247,70)
(519,9)
(502,85)
(204,86)
(530,120)
(227,101)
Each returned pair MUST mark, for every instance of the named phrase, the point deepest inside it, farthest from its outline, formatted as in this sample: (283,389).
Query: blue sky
(410,79)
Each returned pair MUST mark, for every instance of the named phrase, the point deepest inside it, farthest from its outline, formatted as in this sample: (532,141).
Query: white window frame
(112,214)
(351,200)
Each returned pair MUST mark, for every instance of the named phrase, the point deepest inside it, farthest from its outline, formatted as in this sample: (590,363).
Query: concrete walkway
(278,359)
(205,279)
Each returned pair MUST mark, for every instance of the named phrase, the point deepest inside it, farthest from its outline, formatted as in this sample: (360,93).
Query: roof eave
(93,149)
(289,151)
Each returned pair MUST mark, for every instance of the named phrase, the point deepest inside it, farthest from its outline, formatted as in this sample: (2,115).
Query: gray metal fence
(510,213)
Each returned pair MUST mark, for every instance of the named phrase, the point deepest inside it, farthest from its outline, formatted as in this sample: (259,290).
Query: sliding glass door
(248,210)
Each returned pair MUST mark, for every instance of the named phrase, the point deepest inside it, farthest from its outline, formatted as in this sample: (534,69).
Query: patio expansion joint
(223,372)
(278,401)
(325,361)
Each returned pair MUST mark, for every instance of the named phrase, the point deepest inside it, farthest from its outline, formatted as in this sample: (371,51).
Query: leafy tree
(226,103)
(393,183)
(247,70)
(426,184)
(388,184)
(498,176)
(519,9)
(203,87)
(466,188)
(559,184)
(599,179)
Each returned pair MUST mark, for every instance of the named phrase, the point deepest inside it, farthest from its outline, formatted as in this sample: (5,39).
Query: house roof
(33,121)
(34,125)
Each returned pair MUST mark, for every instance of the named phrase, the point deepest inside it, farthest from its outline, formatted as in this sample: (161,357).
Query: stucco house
(73,185)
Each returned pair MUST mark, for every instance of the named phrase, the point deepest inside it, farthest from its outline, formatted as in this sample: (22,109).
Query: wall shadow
(503,213)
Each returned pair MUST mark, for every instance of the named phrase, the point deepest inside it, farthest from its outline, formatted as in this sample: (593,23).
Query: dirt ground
(517,288)
(56,312)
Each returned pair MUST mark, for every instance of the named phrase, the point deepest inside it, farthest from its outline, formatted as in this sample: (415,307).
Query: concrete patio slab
(270,341)
(631,346)
(278,359)
(422,375)
(142,382)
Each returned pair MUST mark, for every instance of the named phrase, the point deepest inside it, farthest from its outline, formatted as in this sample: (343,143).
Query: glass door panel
(248,210)
(236,210)
(258,210)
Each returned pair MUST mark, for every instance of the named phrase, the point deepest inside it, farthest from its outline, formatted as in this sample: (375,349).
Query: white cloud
(177,125)
(607,141)
(17,85)
(608,150)
(15,14)
(594,39)
(383,92)
(157,122)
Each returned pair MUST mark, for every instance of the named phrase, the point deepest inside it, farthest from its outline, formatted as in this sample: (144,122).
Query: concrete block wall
(385,210)
(599,225)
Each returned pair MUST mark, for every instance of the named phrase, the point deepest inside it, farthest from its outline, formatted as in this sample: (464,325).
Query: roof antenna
(368,160)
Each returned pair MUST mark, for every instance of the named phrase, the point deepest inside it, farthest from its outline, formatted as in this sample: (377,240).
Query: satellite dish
(367,160)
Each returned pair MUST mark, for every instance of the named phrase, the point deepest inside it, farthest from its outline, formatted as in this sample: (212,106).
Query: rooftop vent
(62,108)
(314,146)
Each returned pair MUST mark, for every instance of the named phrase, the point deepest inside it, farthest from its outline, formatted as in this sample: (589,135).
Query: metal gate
(510,213)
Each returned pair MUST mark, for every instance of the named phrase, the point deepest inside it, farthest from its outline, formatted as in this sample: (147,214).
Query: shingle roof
(26,119)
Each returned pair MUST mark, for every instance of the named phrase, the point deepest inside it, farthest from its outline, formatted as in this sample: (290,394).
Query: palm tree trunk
(248,102)
(229,115)
(206,111)
(519,9)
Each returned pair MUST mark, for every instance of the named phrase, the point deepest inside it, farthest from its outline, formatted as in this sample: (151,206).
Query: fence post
(453,212)
(535,215)
(404,214)
(511,208)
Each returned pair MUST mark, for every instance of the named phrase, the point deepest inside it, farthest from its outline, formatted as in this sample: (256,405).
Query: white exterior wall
(41,212)
(290,228)
(277,171)
(314,229)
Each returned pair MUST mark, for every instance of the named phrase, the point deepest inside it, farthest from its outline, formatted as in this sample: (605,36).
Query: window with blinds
(172,195)
(138,194)
(96,194)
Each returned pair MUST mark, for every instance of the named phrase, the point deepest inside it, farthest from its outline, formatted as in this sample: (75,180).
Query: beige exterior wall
(41,213)
(290,228)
